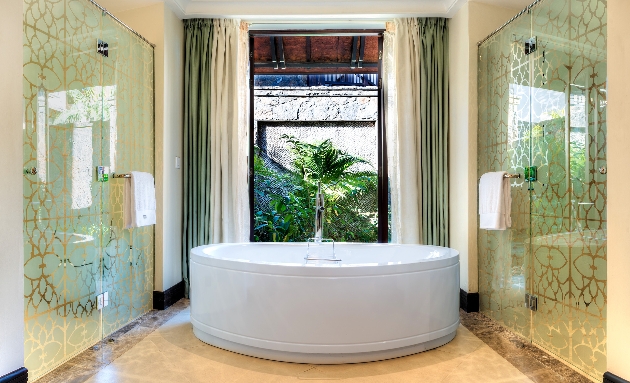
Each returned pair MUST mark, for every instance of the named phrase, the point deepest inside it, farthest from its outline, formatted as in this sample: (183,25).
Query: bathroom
(389,271)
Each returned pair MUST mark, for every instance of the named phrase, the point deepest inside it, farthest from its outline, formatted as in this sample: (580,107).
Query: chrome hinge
(380,55)
(102,300)
(531,45)
(102,48)
(531,302)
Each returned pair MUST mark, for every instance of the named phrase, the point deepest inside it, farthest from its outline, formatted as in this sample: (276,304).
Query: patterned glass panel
(128,143)
(72,110)
(504,120)
(62,204)
(555,120)
(569,200)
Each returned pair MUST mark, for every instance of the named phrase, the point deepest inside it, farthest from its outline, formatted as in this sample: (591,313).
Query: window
(317,121)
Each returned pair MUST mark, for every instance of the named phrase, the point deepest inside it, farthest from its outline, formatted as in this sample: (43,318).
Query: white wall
(471,24)
(11,251)
(618,305)
(159,25)
(460,152)
(173,146)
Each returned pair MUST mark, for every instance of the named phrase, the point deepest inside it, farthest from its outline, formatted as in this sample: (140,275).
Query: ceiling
(308,10)
(290,54)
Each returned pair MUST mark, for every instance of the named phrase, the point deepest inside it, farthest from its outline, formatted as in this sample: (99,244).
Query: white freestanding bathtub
(380,301)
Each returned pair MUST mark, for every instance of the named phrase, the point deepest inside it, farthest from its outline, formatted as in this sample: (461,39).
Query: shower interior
(542,113)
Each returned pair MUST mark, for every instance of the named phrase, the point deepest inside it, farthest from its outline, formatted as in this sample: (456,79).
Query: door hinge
(531,302)
(531,45)
(102,300)
(380,83)
(380,55)
(102,48)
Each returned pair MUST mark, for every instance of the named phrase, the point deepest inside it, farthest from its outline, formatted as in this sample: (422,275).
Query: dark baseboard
(612,378)
(468,302)
(163,299)
(17,376)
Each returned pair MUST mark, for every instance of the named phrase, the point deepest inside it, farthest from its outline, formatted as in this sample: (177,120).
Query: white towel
(495,202)
(139,201)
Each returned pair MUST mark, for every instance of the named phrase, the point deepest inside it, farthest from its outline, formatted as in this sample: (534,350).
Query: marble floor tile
(161,347)
(172,350)
(485,365)
(532,361)
(94,359)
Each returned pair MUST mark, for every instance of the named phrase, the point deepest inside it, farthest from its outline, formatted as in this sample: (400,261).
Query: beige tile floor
(173,354)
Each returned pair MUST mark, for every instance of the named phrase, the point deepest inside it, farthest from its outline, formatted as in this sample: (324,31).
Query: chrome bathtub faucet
(319,214)
(319,230)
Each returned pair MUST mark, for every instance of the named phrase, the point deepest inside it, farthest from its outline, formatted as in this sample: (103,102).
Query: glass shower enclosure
(542,114)
(88,102)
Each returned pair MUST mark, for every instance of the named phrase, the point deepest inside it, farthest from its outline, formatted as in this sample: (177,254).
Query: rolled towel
(139,203)
(495,201)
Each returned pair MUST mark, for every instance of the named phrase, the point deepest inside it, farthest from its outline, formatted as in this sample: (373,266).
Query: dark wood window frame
(383,188)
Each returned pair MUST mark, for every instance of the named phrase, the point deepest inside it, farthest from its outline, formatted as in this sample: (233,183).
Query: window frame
(382,171)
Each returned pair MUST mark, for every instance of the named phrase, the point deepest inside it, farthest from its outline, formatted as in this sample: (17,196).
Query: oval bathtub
(380,301)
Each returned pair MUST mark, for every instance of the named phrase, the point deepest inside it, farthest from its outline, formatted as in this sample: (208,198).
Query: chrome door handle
(603,170)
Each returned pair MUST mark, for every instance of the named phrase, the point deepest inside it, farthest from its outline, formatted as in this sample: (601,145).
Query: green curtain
(433,51)
(196,163)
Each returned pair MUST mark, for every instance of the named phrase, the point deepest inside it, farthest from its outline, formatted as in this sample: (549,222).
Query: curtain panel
(215,132)
(416,86)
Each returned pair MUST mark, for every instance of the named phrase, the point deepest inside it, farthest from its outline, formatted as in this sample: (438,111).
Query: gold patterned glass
(82,110)
(547,109)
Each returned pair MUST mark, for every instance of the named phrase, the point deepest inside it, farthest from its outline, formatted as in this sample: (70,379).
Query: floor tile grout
(168,361)
(456,367)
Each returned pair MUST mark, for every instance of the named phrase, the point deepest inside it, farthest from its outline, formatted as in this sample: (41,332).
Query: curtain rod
(521,13)
(121,23)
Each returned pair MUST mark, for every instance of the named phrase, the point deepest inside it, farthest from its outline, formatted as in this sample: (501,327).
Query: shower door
(128,145)
(504,145)
(62,201)
(568,199)
(542,114)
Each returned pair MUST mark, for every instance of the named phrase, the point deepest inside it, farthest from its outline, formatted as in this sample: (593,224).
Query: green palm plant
(323,163)
(289,217)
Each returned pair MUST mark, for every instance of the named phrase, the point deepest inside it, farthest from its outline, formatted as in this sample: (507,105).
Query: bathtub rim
(197,255)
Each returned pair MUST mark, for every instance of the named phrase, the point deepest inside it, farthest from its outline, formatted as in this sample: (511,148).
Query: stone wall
(358,138)
(347,115)
(316,104)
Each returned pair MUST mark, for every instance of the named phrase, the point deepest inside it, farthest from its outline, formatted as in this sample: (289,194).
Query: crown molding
(317,10)
(299,10)
(177,7)
(455,7)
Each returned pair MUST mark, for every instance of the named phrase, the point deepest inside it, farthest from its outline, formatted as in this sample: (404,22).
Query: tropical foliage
(86,105)
(289,213)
